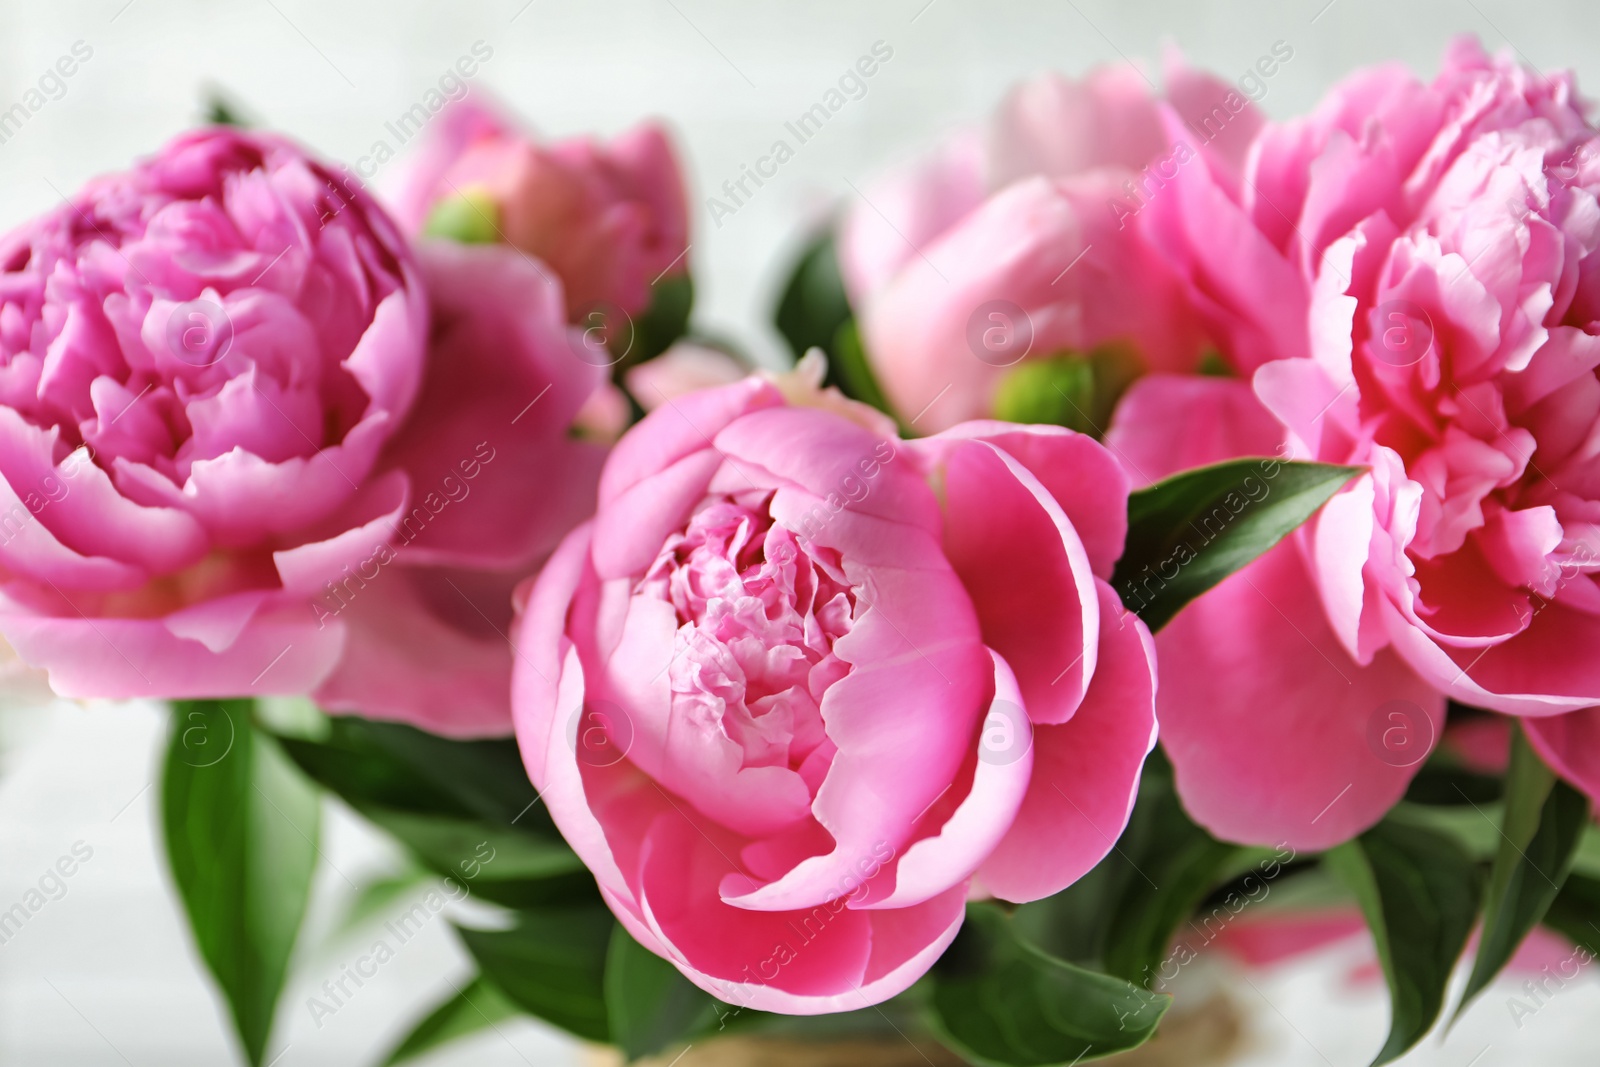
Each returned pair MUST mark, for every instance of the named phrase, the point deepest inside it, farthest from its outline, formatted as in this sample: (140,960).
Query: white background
(106,975)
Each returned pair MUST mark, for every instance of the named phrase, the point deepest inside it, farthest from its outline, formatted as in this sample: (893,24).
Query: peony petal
(1022,564)
(1166,423)
(948,857)
(1085,771)
(400,627)
(1083,477)
(277,651)
(1267,720)
(490,434)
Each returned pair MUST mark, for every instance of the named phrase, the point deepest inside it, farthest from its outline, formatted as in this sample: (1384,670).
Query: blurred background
(107,973)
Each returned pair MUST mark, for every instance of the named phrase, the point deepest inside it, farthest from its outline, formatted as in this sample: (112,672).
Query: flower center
(758,617)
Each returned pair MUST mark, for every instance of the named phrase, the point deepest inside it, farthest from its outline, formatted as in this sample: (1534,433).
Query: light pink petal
(279,651)
(1058,127)
(904,716)
(905,210)
(1216,111)
(640,504)
(825,958)
(680,370)
(1534,673)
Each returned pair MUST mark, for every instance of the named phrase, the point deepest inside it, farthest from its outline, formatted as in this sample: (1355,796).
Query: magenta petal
(77,503)
(548,691)
(828,455)
(1085,771)
(1268,721)
(362,537)
(903,718)
(1533,673)
(679,429)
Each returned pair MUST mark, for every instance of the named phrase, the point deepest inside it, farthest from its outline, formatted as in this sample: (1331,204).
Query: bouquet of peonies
(1176,528)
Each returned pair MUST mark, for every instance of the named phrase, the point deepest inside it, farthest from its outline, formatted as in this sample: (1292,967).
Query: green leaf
(551,964)
(663,322)
(374,897)
(241,834)
(1000,1002)
(1189,532)
(1178,864)
(651,1005)
(1439,784)
(813,305)
(848,369)
(1419,893)
(1544,821)
(466,1011)
(406,769)
(220,111)
(814,312)
(465,809)
(1575,913)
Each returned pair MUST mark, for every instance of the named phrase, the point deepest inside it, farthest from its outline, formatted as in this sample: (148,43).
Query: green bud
(1068,389)
(1058,390)
(470,219)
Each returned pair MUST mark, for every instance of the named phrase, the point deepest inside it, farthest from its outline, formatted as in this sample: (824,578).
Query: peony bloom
(1429,251)
(212,439)
(607,218)
(984,275)
(800,688)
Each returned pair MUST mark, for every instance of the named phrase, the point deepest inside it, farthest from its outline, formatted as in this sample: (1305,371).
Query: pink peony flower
(607,218)
(1429,254)
(211,443)
(801,688)
(1023,242)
